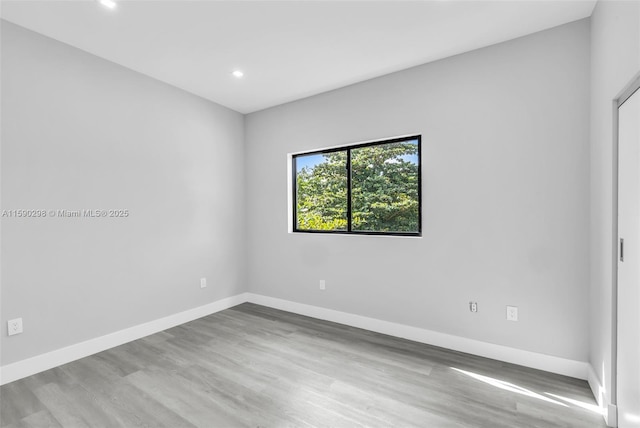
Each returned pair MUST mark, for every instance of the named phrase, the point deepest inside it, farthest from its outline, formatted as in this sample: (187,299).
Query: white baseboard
(549,363)
(609,411)
(39,363)
(611,415)
(596,387)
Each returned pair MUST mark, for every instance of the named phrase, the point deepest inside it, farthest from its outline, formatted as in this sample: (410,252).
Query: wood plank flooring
(252,366)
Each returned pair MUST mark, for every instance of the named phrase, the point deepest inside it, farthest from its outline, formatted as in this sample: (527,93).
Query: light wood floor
(251,366)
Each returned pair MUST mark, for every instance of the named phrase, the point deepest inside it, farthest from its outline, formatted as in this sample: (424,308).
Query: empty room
(320,213)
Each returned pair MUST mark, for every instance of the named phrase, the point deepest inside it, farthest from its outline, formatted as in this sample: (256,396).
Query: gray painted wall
(615,60)
(505,197)
(80,132)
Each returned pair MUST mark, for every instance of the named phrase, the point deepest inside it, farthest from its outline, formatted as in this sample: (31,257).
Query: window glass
(321,185)
(384,187)
(370,188)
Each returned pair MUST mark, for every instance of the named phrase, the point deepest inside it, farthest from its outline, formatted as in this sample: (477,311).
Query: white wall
(81,132)
(505,196)
(615,60)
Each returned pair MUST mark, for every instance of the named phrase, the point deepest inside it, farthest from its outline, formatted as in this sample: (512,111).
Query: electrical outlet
(203,282)
(473,306)
(322,284)
(14,326)
(512,313)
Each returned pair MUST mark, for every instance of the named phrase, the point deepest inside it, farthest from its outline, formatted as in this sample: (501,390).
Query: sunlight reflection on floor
(591,407)
(507,386)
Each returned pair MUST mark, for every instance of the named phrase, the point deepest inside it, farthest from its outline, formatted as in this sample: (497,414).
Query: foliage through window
(371,188)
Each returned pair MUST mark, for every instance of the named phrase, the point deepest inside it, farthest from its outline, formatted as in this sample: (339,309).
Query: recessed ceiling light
(238,73)
(110,4)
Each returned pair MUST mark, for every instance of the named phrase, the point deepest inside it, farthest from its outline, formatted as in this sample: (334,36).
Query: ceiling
(287,49)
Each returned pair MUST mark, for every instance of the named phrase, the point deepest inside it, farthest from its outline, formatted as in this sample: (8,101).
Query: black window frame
(348,149)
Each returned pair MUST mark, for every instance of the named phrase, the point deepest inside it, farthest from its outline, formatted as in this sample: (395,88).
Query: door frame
(624,95)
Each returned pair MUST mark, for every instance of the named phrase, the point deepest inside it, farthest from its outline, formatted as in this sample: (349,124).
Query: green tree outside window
(384,193)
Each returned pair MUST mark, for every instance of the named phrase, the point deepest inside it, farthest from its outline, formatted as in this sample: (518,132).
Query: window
(371,188)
